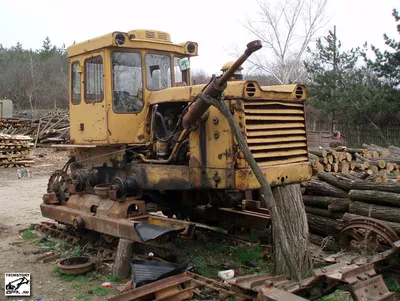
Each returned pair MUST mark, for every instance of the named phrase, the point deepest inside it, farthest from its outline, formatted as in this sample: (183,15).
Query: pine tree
(330,70)
(387,63)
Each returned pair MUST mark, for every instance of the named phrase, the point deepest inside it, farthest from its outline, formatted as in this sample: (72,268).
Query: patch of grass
(101,291)
(392,286)
(338,295)
(29,236)
(77,251)
(82,279)
(113,278)
(200,264)
(83,297)
(231,298)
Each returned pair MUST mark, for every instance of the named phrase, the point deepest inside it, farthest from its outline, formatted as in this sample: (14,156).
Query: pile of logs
(332,199)
(383,164)
(15,151)
(46,127)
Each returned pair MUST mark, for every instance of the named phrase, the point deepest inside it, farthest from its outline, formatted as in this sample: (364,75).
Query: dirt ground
(19,203)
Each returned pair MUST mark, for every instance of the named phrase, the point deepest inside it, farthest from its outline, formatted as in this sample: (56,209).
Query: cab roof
(138,39)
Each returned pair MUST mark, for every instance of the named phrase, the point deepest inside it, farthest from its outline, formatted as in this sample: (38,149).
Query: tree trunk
(323,225)
(122,263)
(317,187)
(385,213)
(290,234)
(349,216)
(289,205)
(375,197)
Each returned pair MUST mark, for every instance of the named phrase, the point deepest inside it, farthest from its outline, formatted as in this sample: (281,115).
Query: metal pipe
(175,149)
(216,87)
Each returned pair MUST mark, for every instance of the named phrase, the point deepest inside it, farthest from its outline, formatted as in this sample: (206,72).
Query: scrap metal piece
(373,289)
(151,288)
(75,265)
(146,271)
(367,234)
(270,293)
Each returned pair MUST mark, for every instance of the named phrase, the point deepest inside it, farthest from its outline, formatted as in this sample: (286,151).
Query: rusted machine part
(58,184)
(75,265)
(369,235)
(105,250)
(177,287)
(346,275)
(216,87)
(241,218)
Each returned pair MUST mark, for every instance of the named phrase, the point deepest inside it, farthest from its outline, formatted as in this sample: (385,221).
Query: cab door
(89,116)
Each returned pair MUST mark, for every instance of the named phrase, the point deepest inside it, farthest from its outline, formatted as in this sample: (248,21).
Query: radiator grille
(276,131)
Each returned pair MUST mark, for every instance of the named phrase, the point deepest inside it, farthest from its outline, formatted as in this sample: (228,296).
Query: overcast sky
(215,25)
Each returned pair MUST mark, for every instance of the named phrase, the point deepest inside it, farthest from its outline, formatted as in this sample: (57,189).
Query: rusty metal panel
(274,294)
(151,288)
(162,177)
(276,175)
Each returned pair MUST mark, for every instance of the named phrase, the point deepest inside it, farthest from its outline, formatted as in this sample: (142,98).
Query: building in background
(6,108)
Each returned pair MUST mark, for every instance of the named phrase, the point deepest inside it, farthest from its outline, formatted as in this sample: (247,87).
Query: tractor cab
(114,75)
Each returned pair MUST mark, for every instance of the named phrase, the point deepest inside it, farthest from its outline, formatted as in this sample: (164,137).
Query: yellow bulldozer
(142,140)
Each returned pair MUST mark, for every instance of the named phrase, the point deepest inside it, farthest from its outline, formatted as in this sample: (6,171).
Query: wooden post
(122,264)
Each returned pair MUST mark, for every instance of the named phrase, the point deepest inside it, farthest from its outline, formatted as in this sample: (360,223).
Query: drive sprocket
(58,183)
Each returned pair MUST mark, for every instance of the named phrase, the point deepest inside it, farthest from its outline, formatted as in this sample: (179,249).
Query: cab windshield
(158,71)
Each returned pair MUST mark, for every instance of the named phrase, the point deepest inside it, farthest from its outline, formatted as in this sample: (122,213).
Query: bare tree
(286,28)
(200,77)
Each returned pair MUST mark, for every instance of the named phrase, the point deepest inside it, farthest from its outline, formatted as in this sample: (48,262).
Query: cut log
(324,226)
(323,160)
(318,152)
(328,168)
(385,213)
(358,185)
(323,212)
(316,187)
(324,202)
(349,216)
(344,167)
(339,205)
(335,167)
(375,197)
(329,159)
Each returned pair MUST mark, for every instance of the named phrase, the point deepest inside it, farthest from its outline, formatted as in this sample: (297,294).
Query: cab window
(94,80)
(127,82)
(158,71)
(75,84)
(177,71)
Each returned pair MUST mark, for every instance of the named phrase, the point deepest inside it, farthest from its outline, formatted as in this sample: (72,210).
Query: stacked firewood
(332,199)
(15,151)
(382,164)
(46,127)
